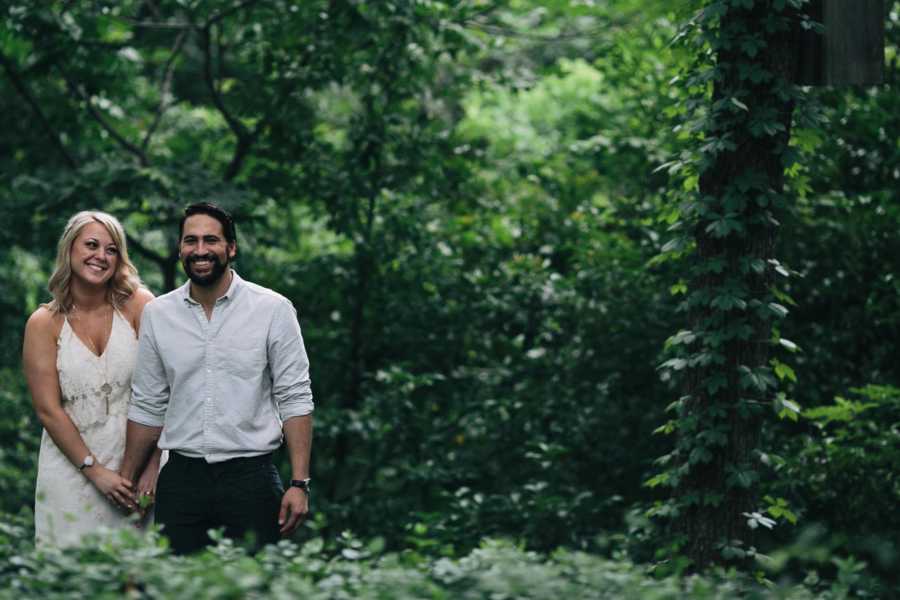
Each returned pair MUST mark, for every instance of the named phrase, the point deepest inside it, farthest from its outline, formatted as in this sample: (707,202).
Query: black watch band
(303,484)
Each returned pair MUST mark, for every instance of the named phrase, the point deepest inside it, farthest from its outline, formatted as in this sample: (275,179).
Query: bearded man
(222,377)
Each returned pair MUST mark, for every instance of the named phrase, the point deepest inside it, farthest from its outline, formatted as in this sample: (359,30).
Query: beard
(217,269)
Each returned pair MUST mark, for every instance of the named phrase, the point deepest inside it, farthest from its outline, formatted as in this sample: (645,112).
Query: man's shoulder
(264,295)
(164,301)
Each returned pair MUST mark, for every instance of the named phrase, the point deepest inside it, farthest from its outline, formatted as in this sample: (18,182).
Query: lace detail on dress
(95,393)
(96,387)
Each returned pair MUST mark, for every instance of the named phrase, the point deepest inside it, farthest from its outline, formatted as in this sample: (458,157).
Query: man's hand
(294,508)
(146,488)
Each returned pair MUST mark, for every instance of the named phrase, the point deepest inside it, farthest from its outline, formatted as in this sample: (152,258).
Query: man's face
(205,254)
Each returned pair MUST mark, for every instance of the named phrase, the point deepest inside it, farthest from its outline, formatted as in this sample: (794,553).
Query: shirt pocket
(243,359)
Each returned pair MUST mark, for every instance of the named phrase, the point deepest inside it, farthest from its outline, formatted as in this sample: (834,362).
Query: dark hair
(216,212)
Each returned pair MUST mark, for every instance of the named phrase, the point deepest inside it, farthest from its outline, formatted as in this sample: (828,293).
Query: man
(221,374)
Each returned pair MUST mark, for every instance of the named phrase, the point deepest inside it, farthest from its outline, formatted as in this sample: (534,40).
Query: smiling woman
(79,354)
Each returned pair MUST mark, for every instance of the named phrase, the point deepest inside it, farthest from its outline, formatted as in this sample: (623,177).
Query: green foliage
(112,565)
(372,189)
(477,208)
(842,471)
(20,441)
(730,203)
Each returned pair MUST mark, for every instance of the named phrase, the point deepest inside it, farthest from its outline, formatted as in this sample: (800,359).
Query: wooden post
(851,49)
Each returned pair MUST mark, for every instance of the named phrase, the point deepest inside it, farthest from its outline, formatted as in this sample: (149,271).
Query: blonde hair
(122,284)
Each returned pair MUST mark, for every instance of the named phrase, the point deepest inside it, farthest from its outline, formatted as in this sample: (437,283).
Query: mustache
(209,257)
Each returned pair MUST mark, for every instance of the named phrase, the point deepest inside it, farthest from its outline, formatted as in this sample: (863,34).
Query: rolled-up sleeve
(149,385)
(289,364)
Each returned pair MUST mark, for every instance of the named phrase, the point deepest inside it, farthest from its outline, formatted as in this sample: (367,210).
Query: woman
(78,354)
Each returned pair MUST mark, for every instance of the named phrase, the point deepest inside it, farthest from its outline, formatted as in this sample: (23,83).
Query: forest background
(470,204)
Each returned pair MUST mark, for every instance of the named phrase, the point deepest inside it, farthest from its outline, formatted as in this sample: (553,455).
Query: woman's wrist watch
(303,484)
(88,461)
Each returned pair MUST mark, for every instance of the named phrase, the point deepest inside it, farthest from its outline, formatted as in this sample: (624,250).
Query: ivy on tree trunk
(742,121)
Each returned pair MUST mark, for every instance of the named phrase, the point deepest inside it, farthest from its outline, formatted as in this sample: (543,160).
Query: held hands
(116,488)
(294,508)
(146,489)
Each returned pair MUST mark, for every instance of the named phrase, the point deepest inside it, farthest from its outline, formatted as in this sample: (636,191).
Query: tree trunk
(712,496)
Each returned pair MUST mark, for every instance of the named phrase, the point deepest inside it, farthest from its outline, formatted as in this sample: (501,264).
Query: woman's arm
(39,361)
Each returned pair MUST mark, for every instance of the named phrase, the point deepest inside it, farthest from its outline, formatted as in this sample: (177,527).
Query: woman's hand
(116,488)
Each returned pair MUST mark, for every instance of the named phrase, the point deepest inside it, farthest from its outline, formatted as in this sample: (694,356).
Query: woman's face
(94,255)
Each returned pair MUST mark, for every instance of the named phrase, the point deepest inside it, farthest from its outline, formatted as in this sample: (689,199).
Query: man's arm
(149,400)
(140,442)
(293,396)
(295,502)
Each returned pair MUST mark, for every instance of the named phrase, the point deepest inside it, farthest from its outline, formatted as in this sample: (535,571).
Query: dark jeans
(243,495)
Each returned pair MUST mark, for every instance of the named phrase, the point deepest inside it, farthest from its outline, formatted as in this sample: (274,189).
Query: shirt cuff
(144,417)
(295,407)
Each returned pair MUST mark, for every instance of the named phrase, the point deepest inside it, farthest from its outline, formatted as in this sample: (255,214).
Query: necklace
(102,359)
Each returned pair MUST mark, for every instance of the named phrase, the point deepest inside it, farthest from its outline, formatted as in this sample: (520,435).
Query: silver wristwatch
(87,462)
(303,484)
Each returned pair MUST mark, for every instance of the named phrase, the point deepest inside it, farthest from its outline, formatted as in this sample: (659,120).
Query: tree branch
(536,37)
(245,139)
(150,24)
(92,110)
(236,126)
(241,152)
(483,11)
(153,8)
(164,89)
(146,252)
(228,12)
(23,91)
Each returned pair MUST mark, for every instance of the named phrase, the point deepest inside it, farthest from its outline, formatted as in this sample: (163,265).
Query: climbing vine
(734,176)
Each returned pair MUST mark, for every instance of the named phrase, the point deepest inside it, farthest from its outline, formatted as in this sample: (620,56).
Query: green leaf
(739,104)
(678,288)
(788,344)
(676,364)
(783,371)
(700,455)
(743,478)
(716,382)
(666,428)
(657,480)
(779,310)
(682,337)
(786,409)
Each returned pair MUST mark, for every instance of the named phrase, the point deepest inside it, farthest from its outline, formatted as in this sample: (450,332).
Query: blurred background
(463,201)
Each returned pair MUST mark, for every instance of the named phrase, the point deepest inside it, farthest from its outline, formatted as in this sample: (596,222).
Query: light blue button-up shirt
(220,388)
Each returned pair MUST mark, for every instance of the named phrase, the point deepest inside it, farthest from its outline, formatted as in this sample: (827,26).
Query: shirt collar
(236,283)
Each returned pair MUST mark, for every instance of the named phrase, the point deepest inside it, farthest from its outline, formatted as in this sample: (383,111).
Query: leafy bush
(842,473)
(113,564)
(844,469)
(20,438)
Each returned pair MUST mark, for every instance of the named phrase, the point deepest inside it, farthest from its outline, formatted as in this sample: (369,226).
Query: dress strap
(62,330)
(116,311)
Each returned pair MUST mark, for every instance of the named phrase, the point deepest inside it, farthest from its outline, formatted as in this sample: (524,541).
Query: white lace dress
(95,394)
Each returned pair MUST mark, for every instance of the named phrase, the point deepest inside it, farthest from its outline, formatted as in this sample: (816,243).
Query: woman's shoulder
(44,322)
(134,306)
(140,297)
